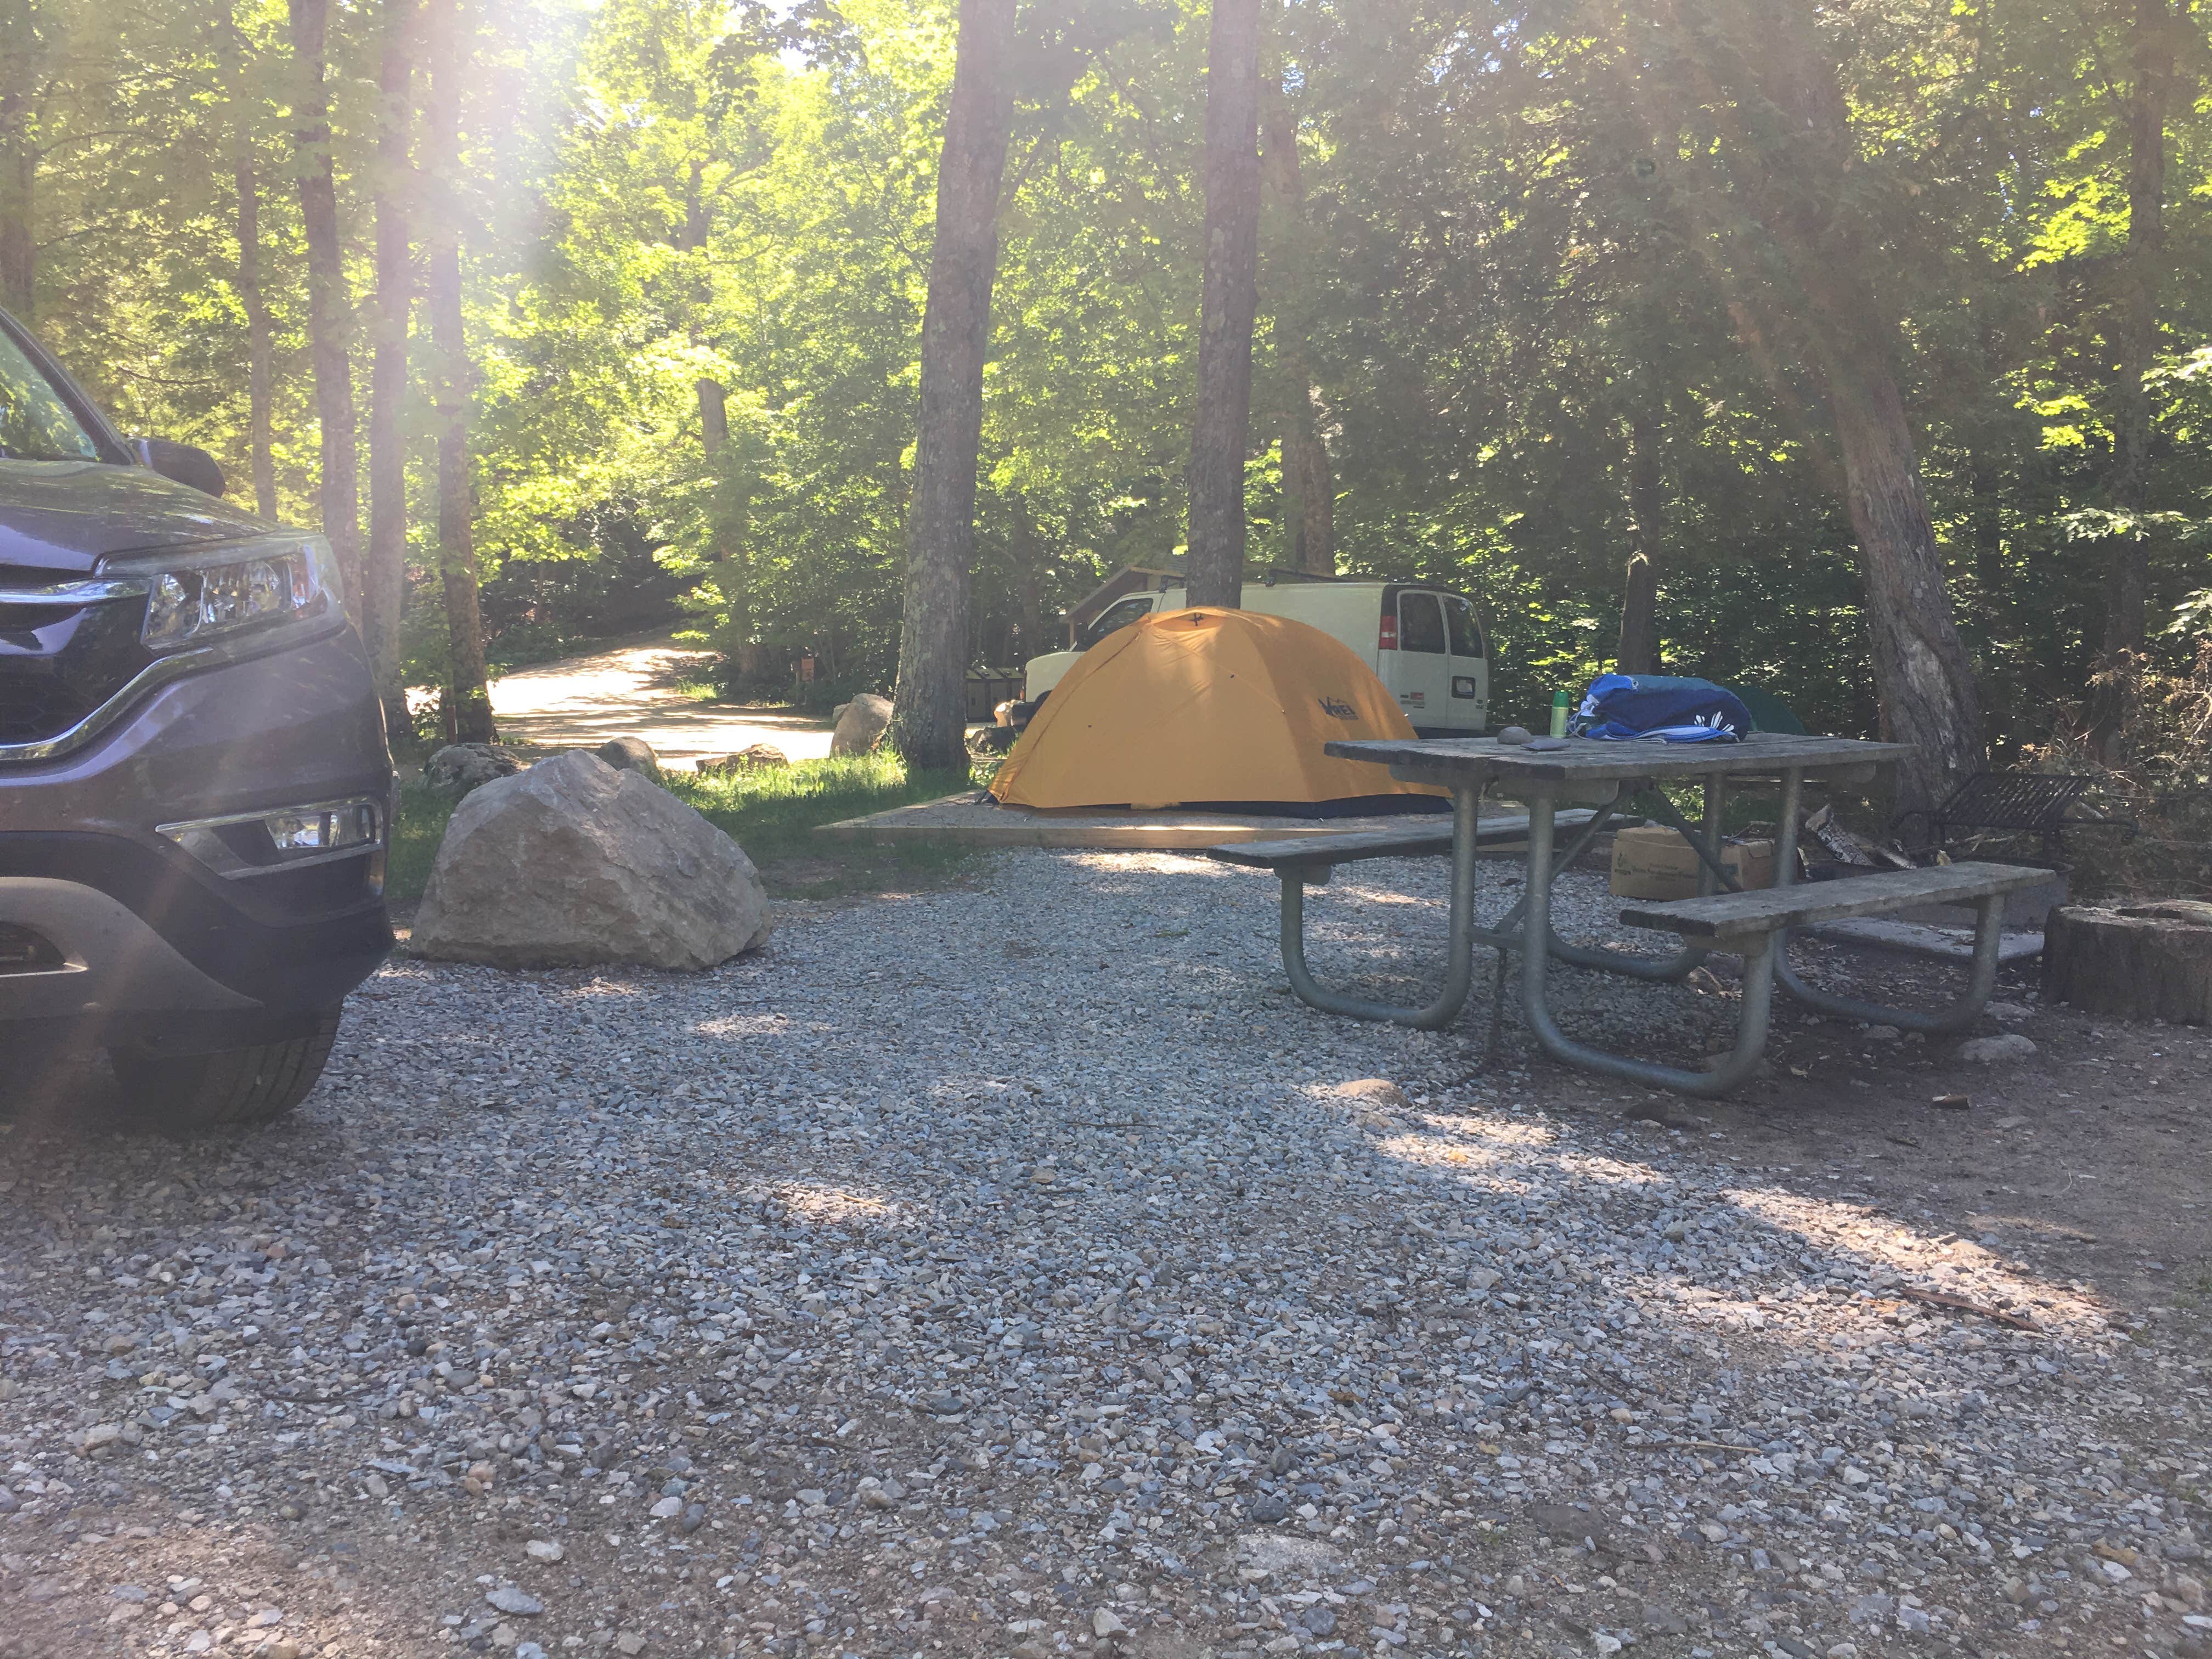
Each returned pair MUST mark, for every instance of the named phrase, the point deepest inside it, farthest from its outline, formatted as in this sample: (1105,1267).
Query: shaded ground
(1011,1270)
(632,689)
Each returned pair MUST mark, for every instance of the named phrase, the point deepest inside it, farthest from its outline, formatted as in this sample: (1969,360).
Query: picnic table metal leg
(1459,969)
(1671,968)
(1751,1031)
(1981,979)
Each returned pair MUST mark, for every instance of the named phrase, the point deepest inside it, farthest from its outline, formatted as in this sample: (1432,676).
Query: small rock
(459,768)
(860,727)
(520,1603)
(1103,1624)
(544,1549)
(666,1509)
(630,1642)
(2006,1050)
(1268,1509)
(630,754)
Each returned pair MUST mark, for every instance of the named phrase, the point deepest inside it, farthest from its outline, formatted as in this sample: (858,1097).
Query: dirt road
(630,689)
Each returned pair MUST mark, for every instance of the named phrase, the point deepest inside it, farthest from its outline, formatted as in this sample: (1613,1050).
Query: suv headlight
(213,593)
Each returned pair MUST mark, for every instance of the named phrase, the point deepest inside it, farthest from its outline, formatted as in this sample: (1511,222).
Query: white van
(1422,642)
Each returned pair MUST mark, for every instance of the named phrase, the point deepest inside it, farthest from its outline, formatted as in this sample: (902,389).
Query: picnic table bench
(1755,925)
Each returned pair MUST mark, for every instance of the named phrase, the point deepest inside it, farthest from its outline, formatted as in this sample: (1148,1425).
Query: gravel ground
(1019,1269)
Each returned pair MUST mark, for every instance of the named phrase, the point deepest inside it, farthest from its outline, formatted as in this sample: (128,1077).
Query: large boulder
(573,862)
(630,754)
(860,725)
(459,768)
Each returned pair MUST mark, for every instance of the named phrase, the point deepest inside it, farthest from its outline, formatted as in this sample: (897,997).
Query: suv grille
(59,662)
(32,711)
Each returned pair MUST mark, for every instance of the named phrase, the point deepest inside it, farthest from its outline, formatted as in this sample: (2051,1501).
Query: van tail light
(1388,639)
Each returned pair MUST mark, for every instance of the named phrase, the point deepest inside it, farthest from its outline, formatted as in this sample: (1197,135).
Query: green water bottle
(1561,702)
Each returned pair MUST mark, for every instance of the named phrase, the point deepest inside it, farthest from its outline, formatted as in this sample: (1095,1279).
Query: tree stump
(2139,961)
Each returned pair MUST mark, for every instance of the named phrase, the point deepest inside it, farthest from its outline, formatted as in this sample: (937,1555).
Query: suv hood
(67,516)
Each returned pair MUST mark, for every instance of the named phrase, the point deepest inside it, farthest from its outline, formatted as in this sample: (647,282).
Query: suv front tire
(253,1085)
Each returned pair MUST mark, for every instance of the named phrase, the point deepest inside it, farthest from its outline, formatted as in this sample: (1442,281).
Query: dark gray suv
(195,789)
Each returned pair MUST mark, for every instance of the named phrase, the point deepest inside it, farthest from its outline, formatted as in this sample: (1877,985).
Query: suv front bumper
(119,931)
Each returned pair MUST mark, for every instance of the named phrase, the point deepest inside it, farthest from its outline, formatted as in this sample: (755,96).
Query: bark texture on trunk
(384,578)
(260,351)
(330,307)
(1638,651)
(1228,298)
(456,562)
(2127,581)
(928,726)
(18,161)
(1309,488)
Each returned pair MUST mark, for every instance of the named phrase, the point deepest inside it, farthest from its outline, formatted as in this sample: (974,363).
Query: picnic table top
(1598,760)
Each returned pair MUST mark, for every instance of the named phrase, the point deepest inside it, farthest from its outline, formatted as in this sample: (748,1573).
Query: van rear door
(1470,666)
(1423,679)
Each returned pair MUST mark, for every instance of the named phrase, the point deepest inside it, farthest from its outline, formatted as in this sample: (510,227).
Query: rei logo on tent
(1338,706)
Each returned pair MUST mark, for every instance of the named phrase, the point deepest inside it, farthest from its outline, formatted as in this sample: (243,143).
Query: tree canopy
(1539,281)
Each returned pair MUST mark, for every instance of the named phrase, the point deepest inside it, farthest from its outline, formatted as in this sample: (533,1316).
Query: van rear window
(1459,617)
(1419,628)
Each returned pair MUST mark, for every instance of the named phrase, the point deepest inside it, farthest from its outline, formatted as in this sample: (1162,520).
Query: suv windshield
(35,423)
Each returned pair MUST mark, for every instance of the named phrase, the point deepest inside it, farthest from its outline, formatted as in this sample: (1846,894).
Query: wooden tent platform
(962,820)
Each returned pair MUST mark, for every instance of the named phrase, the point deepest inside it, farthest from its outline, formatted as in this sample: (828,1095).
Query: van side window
(1459,617)
(1117,616)
(1420,624)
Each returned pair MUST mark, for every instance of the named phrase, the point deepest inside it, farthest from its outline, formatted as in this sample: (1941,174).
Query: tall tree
(231,56)
(329,305)
(1228,298)
(1309,488)
(2142,268)
(384,578)
(468,695)
(1777,197)
(929,724)
(1638,651)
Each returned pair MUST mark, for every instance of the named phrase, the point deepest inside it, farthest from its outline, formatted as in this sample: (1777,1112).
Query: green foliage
(1516,243)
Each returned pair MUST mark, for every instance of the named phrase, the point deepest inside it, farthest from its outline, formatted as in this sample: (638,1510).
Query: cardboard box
(1656,863)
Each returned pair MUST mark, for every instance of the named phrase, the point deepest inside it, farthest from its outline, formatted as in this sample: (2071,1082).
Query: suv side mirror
(182,462)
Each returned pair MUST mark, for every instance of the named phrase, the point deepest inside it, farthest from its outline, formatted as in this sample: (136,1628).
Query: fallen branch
(1937,1299)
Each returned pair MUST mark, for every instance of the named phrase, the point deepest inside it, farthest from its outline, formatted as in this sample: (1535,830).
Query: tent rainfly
(1209,707)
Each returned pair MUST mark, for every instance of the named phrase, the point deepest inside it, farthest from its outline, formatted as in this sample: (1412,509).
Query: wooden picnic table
(1603,773)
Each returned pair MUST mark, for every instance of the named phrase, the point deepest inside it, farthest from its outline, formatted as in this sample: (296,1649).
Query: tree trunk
(18,161)
(1228,298)
(384,580)
(1920,670)
(260,351)
(2127,585)
(2139,961)
(1638,651)
(929,724)
(1792,151)
(1029,579)
(328,305)
(1309,491)
(732,574)
(457,562)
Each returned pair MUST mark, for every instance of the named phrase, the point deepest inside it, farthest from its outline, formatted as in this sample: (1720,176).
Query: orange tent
(1207,707)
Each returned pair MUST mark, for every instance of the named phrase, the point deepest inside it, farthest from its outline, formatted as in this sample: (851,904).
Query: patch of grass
(771,813)
(418,824)
(698,690)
